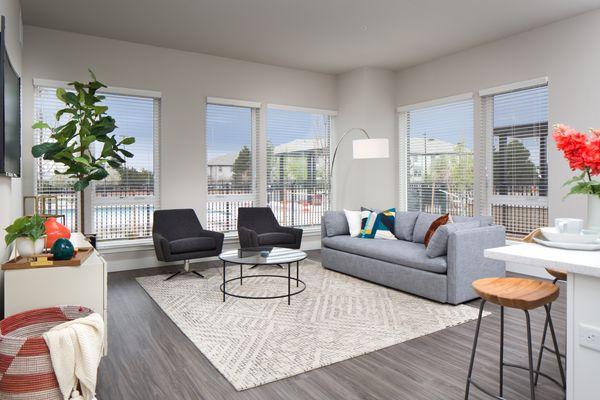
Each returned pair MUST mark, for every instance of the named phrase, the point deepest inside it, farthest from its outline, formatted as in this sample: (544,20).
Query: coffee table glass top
(263,256)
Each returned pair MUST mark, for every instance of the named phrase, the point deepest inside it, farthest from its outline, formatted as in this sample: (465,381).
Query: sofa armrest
(466,262)
(161,247)
(247,237)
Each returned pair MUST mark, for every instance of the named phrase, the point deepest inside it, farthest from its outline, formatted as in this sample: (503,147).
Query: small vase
(28,248)
(54,231)
(593,212)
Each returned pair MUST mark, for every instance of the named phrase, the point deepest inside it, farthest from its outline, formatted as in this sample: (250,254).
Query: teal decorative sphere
(62,249)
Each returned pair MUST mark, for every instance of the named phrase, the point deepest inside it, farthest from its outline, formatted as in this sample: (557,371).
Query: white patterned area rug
(337,317)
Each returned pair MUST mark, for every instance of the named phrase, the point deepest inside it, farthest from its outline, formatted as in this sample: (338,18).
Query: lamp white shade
(370,148)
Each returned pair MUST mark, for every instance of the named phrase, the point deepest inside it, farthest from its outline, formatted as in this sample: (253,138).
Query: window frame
(90,195)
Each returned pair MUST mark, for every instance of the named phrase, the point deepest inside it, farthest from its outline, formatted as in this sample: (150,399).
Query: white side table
(86,285)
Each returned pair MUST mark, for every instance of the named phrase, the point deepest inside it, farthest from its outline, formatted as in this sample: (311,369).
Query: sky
(229,128)
(454,122)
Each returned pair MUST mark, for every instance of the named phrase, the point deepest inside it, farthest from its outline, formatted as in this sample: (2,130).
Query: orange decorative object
(55,230)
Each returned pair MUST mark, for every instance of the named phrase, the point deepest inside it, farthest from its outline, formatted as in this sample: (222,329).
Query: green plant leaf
(40,125)
(80,186)
(128,141)
(98,174)
(126,153)
(575,179)
(40,149)
(82,160)
(60,94)
(71,98)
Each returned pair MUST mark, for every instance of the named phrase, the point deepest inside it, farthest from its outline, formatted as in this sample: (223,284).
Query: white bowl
(585,236)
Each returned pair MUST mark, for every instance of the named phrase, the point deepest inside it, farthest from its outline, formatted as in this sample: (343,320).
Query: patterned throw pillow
(443,220)
(376,225)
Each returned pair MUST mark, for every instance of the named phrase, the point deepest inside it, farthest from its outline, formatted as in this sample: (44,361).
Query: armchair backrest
(258,219)
(176,224)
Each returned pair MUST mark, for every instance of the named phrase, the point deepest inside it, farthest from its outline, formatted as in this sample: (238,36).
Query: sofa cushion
(405,224)
(354,221)
(483,220)
(191,245)
(443,220)
(275,238)
(399,252)
(336,223)
(377,225)
(438,244)
(424,221)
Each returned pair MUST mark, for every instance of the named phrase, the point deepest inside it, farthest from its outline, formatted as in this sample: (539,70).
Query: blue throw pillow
(376,225)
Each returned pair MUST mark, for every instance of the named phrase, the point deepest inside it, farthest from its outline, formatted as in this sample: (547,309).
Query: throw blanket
(75,349)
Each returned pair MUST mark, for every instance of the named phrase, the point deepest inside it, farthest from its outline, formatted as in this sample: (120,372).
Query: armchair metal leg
(173,276)
(186,270)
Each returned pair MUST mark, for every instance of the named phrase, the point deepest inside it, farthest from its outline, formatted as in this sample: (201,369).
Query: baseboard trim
(141,259)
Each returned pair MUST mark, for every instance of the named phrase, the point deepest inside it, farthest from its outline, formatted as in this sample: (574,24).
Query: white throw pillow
(354,220)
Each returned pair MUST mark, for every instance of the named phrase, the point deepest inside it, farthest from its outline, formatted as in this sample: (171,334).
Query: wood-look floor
(149,358)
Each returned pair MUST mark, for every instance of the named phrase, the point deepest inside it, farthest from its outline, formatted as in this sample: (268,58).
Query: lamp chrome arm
(337,146)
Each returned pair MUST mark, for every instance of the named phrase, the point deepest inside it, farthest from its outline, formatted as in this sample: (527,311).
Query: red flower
(591,156)
(573,145)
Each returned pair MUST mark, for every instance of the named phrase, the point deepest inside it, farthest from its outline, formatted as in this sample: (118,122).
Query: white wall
(568,52)
(185,80)
(10,189)
(366,99)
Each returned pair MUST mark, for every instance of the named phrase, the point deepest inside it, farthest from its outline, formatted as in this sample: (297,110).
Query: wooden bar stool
(558,276)
(522,294)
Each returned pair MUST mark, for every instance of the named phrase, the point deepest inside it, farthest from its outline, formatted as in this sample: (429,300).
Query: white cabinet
(86,285)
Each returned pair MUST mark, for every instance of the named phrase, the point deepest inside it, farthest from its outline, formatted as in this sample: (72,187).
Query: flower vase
(593,212)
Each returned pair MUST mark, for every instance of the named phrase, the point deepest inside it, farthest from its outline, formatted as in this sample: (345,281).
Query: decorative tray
(568,246)
(45,261)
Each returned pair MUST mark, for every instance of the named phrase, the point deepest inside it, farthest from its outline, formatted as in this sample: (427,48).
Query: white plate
(586,236)
(569,246)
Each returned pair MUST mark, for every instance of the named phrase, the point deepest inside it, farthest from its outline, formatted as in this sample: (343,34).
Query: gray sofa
(403,264)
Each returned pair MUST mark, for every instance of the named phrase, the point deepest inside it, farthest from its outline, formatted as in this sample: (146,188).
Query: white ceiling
(329,36)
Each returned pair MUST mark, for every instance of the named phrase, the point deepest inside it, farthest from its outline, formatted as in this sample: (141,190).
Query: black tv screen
(10,115)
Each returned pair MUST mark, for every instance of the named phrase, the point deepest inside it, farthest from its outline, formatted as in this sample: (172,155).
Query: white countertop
(575,261)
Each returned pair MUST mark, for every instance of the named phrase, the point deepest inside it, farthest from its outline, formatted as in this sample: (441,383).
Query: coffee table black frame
(255,260)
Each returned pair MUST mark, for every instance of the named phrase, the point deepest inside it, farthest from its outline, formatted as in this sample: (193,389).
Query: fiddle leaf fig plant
(84,144)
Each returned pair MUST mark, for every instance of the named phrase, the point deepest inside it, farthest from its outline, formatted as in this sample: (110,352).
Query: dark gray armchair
(258,227)
(179,236)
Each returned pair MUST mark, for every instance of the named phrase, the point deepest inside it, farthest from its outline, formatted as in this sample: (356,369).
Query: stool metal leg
(541,353)
(530,355)
(474,349)
(555,342)
(501,390)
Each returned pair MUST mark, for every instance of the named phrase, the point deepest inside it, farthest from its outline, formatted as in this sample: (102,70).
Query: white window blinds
(123,204)
(515,128)
(436,158)
(298,161)
(231,166)
(46,182)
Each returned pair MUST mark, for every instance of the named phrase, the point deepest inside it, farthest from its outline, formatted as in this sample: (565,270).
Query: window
(436,158)
(231,169)
(122,205)
(298,165)
(515,128)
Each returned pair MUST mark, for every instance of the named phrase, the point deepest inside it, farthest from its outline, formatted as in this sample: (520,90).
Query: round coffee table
(263,256)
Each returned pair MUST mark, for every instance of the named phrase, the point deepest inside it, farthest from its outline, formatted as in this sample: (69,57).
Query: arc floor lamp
(362,148)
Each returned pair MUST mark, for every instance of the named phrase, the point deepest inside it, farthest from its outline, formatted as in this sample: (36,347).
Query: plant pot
(28,248)
(593,212)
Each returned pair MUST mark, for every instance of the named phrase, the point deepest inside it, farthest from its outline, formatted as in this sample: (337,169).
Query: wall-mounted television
(10,113)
